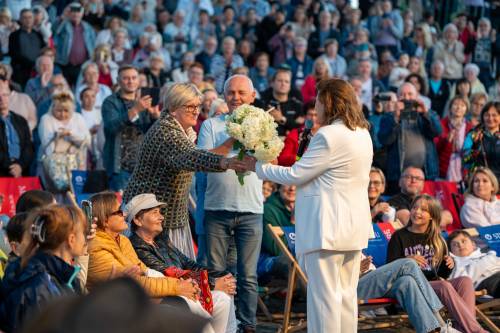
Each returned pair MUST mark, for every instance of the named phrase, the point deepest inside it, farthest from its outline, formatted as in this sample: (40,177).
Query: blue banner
(491,235)
(377,247)
(290,238)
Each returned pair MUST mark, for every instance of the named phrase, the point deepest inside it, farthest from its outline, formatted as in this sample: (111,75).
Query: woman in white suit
(332,211)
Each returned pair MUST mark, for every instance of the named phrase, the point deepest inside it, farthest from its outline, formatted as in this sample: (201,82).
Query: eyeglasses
(192,108)
(414,178)
(375,183)
(119,212)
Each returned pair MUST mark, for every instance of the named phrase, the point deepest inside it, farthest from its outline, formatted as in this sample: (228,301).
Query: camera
(382,97)
(409,111)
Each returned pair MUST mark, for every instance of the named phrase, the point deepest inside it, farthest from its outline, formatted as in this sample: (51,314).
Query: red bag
(201,277)
(12,188)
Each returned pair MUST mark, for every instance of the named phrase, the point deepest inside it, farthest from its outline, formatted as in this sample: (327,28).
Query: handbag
(57,166)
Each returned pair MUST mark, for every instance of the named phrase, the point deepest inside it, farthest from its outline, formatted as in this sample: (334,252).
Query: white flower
(255,129)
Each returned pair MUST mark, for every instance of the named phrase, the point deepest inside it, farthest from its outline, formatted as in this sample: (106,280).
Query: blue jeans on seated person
(246,228)
(403,280)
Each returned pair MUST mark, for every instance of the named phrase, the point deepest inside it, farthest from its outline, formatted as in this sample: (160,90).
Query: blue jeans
(246,228)
(403,280)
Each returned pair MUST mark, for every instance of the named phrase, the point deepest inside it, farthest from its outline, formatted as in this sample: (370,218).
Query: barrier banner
(12,188)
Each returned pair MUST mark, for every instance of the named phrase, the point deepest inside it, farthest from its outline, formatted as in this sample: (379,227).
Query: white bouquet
(255,132)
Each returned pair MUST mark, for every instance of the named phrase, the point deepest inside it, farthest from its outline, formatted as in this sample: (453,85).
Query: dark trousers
(492,285)
(71,73)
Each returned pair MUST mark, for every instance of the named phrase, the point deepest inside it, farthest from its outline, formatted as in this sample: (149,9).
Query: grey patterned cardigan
(165,167)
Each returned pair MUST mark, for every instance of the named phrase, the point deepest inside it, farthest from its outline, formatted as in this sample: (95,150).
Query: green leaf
(241,179)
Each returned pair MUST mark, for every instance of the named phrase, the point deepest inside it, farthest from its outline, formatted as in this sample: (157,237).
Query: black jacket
(313,49)
(165,255)
(18,56)
(25,291)
(291,109)
(26,146)
(440,98)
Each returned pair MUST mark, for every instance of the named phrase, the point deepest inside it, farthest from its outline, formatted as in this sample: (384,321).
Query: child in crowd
(482,268)
(421,240)
(399,72)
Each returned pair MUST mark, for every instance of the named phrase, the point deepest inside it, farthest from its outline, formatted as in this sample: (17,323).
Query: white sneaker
(449,329)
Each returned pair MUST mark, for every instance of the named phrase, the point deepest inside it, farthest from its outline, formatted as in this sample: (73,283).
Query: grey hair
(437,62)
(86,65)
(215,105)
(226,84)
(472,67)
(178,94)
(37,61)
(485,20)
(400,89)
(450,26)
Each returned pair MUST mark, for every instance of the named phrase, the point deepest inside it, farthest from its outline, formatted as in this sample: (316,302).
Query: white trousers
(332,304)
(223,318)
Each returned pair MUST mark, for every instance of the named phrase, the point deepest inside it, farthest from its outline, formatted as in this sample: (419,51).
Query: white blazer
(332,211)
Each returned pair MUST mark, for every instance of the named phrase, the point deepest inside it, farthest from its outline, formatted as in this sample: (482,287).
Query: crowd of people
(136,94)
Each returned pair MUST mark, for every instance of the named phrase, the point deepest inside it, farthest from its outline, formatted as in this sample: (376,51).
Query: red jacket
(309,89)
(444,147)
(289,153)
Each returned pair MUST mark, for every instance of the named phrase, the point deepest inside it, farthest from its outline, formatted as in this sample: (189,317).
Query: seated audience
(278,212)
(481,207)
(411,184)
(45,270)
(157,252)
(381,211)
(403,280)
(482,268)
(421,241)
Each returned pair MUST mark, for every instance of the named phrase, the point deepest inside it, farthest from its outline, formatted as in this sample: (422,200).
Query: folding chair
(294,272)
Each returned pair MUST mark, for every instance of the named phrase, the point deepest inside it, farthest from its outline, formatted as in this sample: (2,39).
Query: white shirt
(366,93)
(224,192)
(477,212)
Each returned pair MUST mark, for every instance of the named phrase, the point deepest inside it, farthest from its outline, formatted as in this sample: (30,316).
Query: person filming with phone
(408,134)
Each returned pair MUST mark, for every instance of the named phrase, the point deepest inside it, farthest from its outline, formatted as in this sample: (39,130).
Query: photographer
(383,103)
(408,134)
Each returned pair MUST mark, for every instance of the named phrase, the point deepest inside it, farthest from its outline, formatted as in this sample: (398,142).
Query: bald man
(233,210)
(408,134)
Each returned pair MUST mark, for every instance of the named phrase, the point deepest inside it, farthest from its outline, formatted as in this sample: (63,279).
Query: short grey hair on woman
(379,172)
(215,105)
(179,94)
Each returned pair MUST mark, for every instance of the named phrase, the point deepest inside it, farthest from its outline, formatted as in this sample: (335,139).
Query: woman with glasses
(380,210)
(168,159)
(112,254)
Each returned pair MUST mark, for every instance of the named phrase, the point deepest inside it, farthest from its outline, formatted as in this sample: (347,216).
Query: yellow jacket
(106,252)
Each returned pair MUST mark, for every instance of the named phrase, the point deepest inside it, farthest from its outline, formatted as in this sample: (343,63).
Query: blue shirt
(223,190)
(13,142)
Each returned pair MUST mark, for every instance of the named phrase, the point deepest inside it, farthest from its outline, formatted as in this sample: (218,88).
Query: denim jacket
(390,136)
(63,38)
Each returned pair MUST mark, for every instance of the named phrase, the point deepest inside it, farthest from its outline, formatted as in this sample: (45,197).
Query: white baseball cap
(141,202)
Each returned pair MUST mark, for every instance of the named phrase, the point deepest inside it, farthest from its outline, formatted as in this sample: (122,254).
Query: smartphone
(154,93)
(87,210)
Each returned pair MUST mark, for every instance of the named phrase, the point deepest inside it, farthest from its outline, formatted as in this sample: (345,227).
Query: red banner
(443,191)
(12,188)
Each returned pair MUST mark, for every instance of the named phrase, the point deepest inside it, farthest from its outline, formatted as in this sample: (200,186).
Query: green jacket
(276,214)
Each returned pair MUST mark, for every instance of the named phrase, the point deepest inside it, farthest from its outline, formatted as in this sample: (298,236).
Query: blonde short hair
(488,173)
(179,94)
(63,97)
